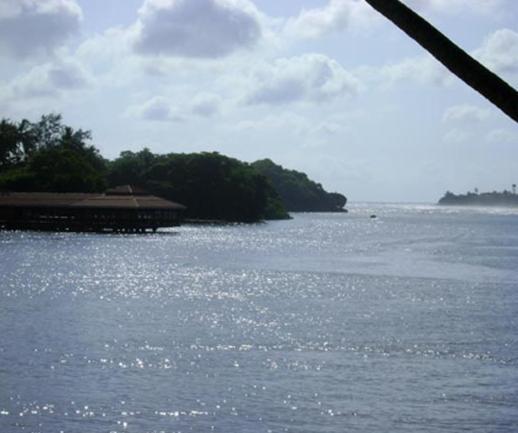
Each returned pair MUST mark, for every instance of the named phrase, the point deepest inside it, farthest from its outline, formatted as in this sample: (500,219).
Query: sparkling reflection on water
(326,323)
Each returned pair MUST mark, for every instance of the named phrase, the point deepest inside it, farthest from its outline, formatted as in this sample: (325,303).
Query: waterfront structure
(121,209)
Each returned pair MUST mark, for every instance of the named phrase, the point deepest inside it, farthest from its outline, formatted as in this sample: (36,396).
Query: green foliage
(8,144)
(18,179)
(495,198)
(131,167)
(16,143)
(298,193)
(48,156)
(62,169)
(212,186)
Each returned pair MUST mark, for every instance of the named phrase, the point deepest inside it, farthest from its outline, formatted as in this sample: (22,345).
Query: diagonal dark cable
(450,55)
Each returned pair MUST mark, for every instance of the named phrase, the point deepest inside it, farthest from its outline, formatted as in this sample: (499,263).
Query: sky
(328,87)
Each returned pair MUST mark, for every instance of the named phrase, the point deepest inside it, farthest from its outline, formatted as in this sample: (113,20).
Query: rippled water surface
(325,323)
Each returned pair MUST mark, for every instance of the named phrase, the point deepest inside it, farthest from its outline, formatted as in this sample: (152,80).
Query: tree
(48,156)
(49,131)
(62,169)
(10,152)
(298,193)
(130,167)
(212,186)
(450,55)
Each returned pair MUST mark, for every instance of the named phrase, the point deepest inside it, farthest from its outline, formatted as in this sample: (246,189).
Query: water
(326,323)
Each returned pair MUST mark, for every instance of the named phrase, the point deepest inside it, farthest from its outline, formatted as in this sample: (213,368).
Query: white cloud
(465,114)
(327,129)
(104,49)
(67,76)
(206,104)
(33,84)
(34,26)
(155,109)
(162,109)
(311,77)
(196,28)
(422,69)
(47,80)
(456,136)
(337,15)
(456,6)
(499,52)
(502,136)
(285,121)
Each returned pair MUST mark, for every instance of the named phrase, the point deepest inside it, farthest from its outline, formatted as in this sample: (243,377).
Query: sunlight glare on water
(325,323)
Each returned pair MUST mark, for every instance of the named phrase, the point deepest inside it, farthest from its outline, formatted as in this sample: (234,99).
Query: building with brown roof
(121,209)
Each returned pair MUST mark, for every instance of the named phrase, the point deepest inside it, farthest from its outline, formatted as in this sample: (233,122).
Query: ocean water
(326,323)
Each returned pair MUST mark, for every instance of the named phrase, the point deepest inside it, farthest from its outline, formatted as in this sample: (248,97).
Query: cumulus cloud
(499,52)
(48,80)
(161,109)
(456,6)
(196,28)
(465,114)
(206,105)
(33,26)
(312,77)
(67,76)
(284,121)
(337,15)
(33,84)
(155,109)
(327,129)
(422,69)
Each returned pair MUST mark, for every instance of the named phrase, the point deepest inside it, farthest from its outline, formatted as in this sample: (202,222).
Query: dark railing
(87,220)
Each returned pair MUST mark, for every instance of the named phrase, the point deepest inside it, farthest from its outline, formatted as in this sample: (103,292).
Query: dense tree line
(495,198)
(212,186)
(297,191)
(48,156)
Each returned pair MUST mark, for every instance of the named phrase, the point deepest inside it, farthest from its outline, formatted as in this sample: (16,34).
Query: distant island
(503,198)
(47,156)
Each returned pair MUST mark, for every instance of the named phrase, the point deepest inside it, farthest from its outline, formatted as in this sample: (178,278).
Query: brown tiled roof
(128,202)
(44,199)
(41,198)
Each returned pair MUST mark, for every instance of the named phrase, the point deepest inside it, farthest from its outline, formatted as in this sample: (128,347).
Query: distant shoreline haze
(496,198)
(47,156)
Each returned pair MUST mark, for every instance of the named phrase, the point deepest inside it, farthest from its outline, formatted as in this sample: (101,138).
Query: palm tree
(450,55)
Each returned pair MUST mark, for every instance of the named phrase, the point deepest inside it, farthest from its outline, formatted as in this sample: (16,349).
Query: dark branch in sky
(450,55)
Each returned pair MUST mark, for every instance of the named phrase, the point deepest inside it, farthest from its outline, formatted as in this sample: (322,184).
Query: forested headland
(299,193)
(48,156)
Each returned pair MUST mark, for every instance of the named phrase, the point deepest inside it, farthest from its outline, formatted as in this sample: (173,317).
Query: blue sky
(328,87)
